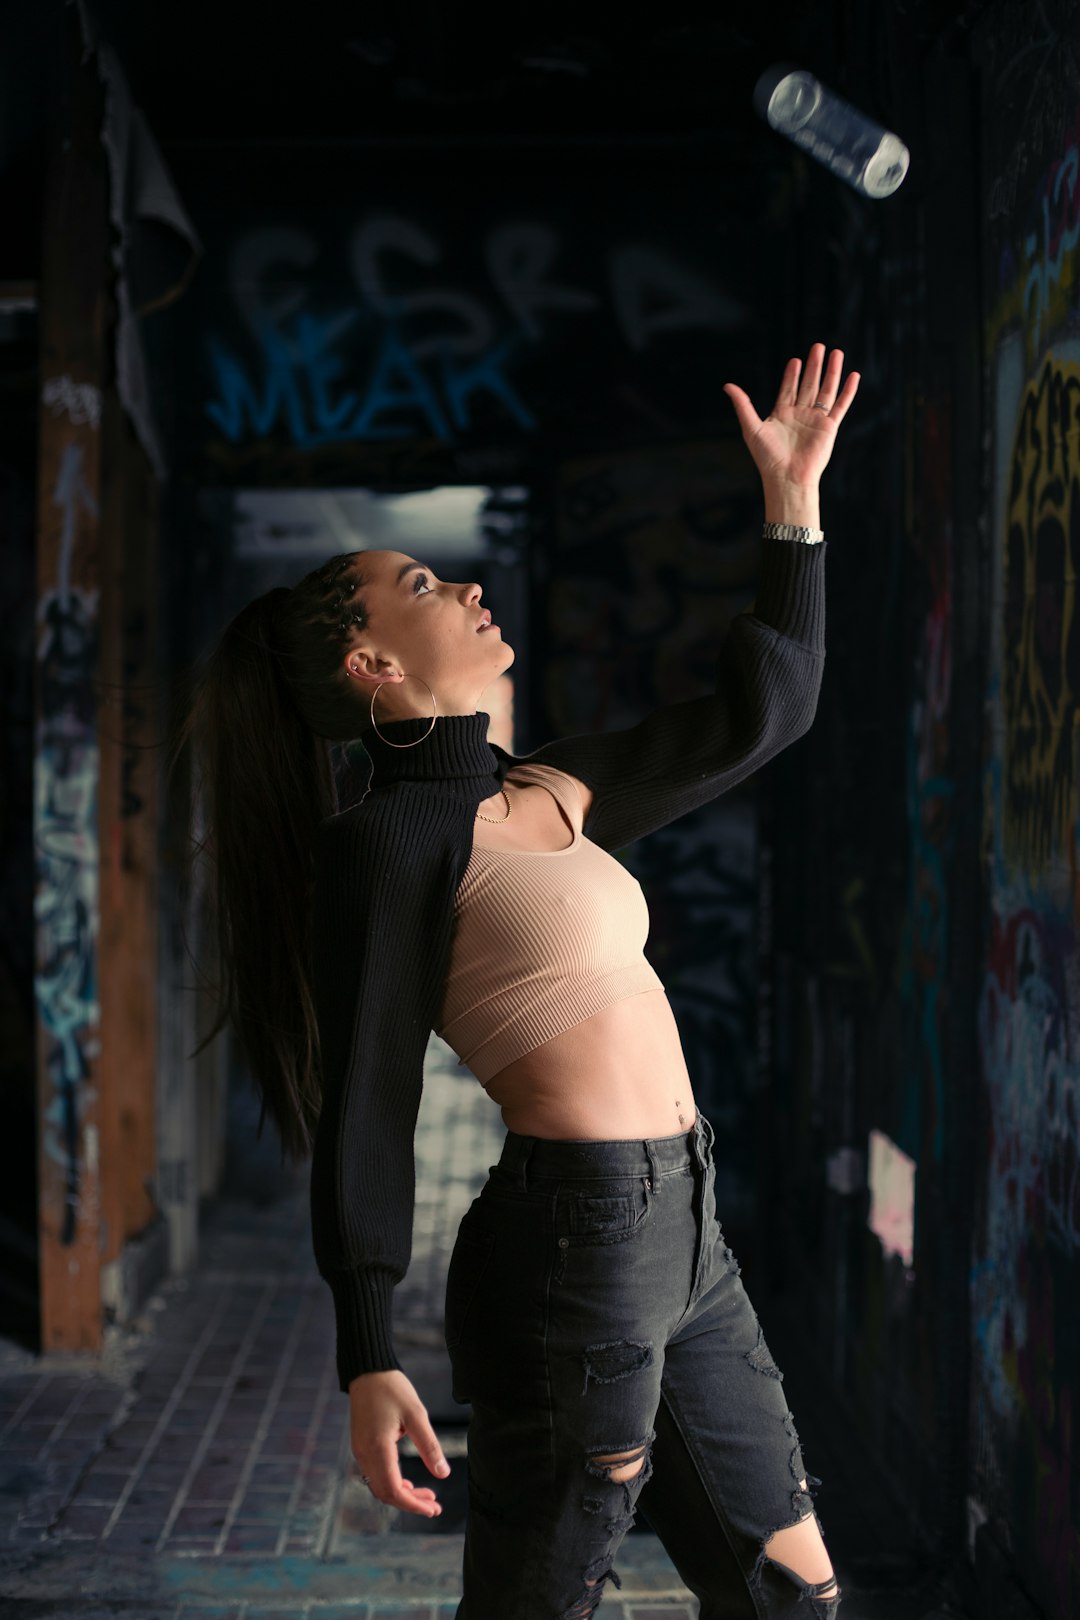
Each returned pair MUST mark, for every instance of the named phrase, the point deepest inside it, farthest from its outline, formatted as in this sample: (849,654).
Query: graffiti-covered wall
(441,314)
(924,984)
(1025,1263)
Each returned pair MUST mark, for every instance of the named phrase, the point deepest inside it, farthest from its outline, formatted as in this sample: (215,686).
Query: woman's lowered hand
(383,1408)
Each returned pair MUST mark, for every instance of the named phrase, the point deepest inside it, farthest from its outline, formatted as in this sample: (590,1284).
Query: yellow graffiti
(1040,647)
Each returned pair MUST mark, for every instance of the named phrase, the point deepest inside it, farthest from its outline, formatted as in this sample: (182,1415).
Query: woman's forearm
(792,503)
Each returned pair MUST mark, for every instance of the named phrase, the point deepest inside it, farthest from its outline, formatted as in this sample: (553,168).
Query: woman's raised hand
(794,442)
(383,1407)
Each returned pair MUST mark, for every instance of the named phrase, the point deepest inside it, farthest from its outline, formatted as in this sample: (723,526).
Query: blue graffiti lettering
(394,358)
(299,371)
(462,381)
(314,337)
(238,403)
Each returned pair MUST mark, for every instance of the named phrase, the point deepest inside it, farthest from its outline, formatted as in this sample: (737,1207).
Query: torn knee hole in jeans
(620,1467)
(804,1546)
(826,1593)
(630,1469)
(629,1466)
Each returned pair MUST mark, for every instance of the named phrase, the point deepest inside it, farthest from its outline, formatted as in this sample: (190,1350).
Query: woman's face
(426,626)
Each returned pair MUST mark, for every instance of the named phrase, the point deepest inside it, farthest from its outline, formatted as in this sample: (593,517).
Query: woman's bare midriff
(618,1075)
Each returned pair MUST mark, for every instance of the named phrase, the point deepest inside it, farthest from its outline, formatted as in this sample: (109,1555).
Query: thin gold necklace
(498,820)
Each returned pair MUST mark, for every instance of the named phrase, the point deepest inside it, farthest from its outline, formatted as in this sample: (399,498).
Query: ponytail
(267,781)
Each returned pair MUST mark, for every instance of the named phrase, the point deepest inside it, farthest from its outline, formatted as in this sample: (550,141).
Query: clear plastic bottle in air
(844,140)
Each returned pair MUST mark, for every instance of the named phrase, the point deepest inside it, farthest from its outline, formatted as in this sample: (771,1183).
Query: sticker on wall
(892,1198)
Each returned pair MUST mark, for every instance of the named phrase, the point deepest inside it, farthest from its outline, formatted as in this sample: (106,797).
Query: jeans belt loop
(654,1177)
(523,1166)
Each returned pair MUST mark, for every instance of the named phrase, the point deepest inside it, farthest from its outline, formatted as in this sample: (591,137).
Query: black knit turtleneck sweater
(387,873)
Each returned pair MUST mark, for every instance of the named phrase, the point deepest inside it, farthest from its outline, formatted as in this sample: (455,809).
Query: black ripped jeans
(593,1309)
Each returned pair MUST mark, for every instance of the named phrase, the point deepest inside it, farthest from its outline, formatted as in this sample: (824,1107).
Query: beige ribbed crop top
(541,940)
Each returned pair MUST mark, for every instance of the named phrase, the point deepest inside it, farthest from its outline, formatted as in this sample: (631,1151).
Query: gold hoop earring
(427,733)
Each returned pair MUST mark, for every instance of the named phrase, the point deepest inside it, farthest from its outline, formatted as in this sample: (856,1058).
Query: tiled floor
(242,1610)
(201,1467)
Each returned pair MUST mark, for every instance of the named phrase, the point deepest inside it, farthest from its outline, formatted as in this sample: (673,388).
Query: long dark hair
(269,702)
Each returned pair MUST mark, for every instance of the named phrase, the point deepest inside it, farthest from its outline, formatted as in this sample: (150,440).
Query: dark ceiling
(421,67)
(214,71)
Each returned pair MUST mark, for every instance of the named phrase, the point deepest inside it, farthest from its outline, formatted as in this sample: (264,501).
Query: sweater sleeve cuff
(791,590)
(362,1305)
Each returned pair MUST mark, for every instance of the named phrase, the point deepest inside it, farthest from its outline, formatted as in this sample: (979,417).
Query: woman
(595,1319)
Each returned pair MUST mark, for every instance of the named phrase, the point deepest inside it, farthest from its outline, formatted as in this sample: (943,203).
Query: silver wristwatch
(792,531)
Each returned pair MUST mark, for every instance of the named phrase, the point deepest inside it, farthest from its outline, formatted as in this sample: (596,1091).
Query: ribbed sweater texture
(387,873)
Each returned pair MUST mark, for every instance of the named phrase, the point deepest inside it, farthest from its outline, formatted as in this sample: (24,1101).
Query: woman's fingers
(797,387)
(748,418)
(789,383)
(800,389)
(387,1483)
(845,397)
(806,388)
(384,1406)
(810,385)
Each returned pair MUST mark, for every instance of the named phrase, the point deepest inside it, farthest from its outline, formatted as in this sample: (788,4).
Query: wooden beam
(73,321)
